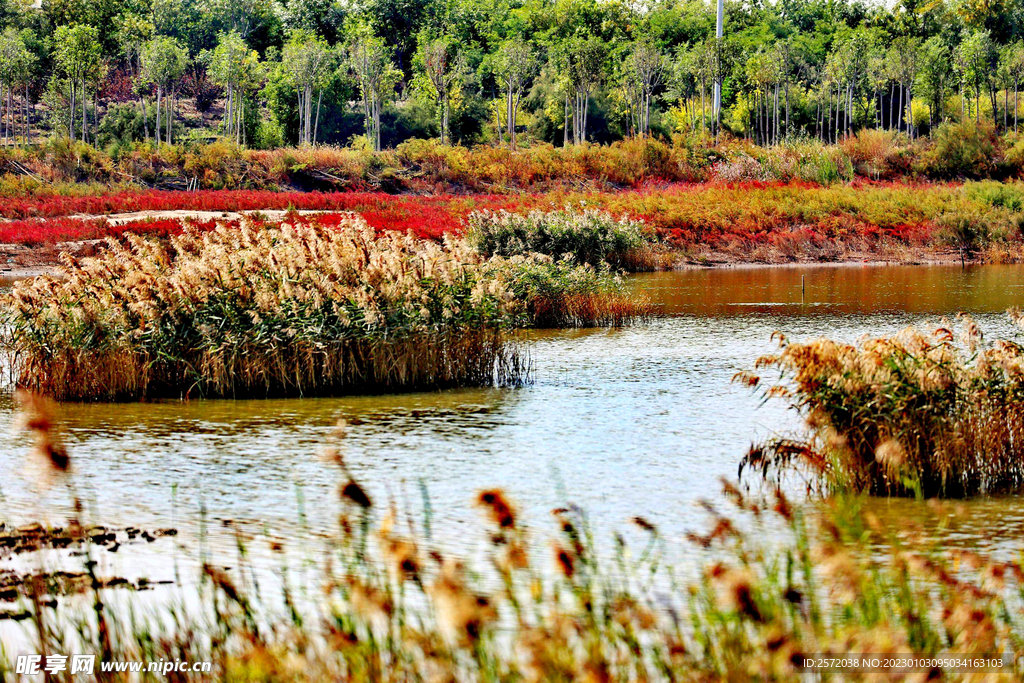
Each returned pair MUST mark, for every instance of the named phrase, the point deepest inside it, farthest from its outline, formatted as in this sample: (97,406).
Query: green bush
(965,149)
(963,231)
(1002,195)
(124,123)
(269,135)
(591,236)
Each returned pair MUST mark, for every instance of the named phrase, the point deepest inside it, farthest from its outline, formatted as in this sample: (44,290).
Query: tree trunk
(565,123)
(85,109)
(71,118)
(156,126)
(899,115)
(316,123)
(145,121)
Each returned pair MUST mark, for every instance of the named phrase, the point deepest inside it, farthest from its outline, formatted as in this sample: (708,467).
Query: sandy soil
(181,214)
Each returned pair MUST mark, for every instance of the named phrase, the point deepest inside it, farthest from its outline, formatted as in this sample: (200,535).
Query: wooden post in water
(803,288)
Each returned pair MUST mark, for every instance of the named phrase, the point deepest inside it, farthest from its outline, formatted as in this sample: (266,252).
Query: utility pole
(717,104)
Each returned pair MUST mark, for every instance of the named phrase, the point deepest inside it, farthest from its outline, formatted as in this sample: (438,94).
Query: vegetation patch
(317,305)
(589,236)
(920,413)
(636,229)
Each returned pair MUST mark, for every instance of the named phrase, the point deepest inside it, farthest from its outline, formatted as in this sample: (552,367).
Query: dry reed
(292,310)
(918,413)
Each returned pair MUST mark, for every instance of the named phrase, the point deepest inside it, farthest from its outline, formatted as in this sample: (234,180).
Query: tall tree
(645,69)
(443,68)
(515,64)
(163,62)
(586,61)
(370,61)
(78,58)
(236,68)
(132,33)
(934,75)
(905,60)
(973,60)
(307,60)
(16,64)
(1012,59)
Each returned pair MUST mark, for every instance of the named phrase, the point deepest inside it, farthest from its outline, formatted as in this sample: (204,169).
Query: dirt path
(183,214)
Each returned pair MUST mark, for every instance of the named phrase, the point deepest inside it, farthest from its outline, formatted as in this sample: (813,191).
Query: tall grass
(561,293)
(391,604)
(319,305)
(919,413)
(590,236)
(258,311)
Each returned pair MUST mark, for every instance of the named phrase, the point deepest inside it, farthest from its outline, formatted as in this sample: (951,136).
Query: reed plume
(927,413)
(256,311)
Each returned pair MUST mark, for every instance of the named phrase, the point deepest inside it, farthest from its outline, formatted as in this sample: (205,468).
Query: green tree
(16,67)
(442,69)
(370,60)
(515,63)
(1012,60)
(78,58)
(933,77)
(236,68)
(644,71)
(132,33)
(307,59)
(586,62)
(163,62)
(973,60)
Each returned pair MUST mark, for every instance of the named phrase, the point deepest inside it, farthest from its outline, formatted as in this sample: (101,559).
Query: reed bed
(393,605)
(322,304)
(925,413)
(563,293)
(589,235)
(254,311)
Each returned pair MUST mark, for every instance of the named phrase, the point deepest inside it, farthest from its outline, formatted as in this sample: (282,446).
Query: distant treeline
(373,73)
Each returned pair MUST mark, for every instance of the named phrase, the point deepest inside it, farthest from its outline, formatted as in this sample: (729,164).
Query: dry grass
(321,305)
(291,310)
(392,606)
(918,413)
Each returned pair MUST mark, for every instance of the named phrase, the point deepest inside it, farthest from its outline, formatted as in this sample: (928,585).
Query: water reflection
(837,290)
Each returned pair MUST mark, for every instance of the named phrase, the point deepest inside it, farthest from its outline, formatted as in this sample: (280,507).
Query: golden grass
(921,413)
(292,310)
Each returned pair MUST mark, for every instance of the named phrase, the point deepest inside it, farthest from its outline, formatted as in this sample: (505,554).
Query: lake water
(637,421)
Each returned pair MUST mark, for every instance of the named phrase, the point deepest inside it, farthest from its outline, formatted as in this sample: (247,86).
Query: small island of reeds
(301,308)
(929,413)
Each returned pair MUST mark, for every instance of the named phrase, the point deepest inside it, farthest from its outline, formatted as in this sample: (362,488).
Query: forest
(374,73)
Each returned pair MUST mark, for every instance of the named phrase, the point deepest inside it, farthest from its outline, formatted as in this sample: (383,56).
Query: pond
(638,421)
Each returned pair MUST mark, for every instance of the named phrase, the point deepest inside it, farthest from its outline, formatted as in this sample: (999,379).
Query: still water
(638,421)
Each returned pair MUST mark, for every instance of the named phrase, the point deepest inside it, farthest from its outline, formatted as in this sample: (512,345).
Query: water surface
(637,421)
